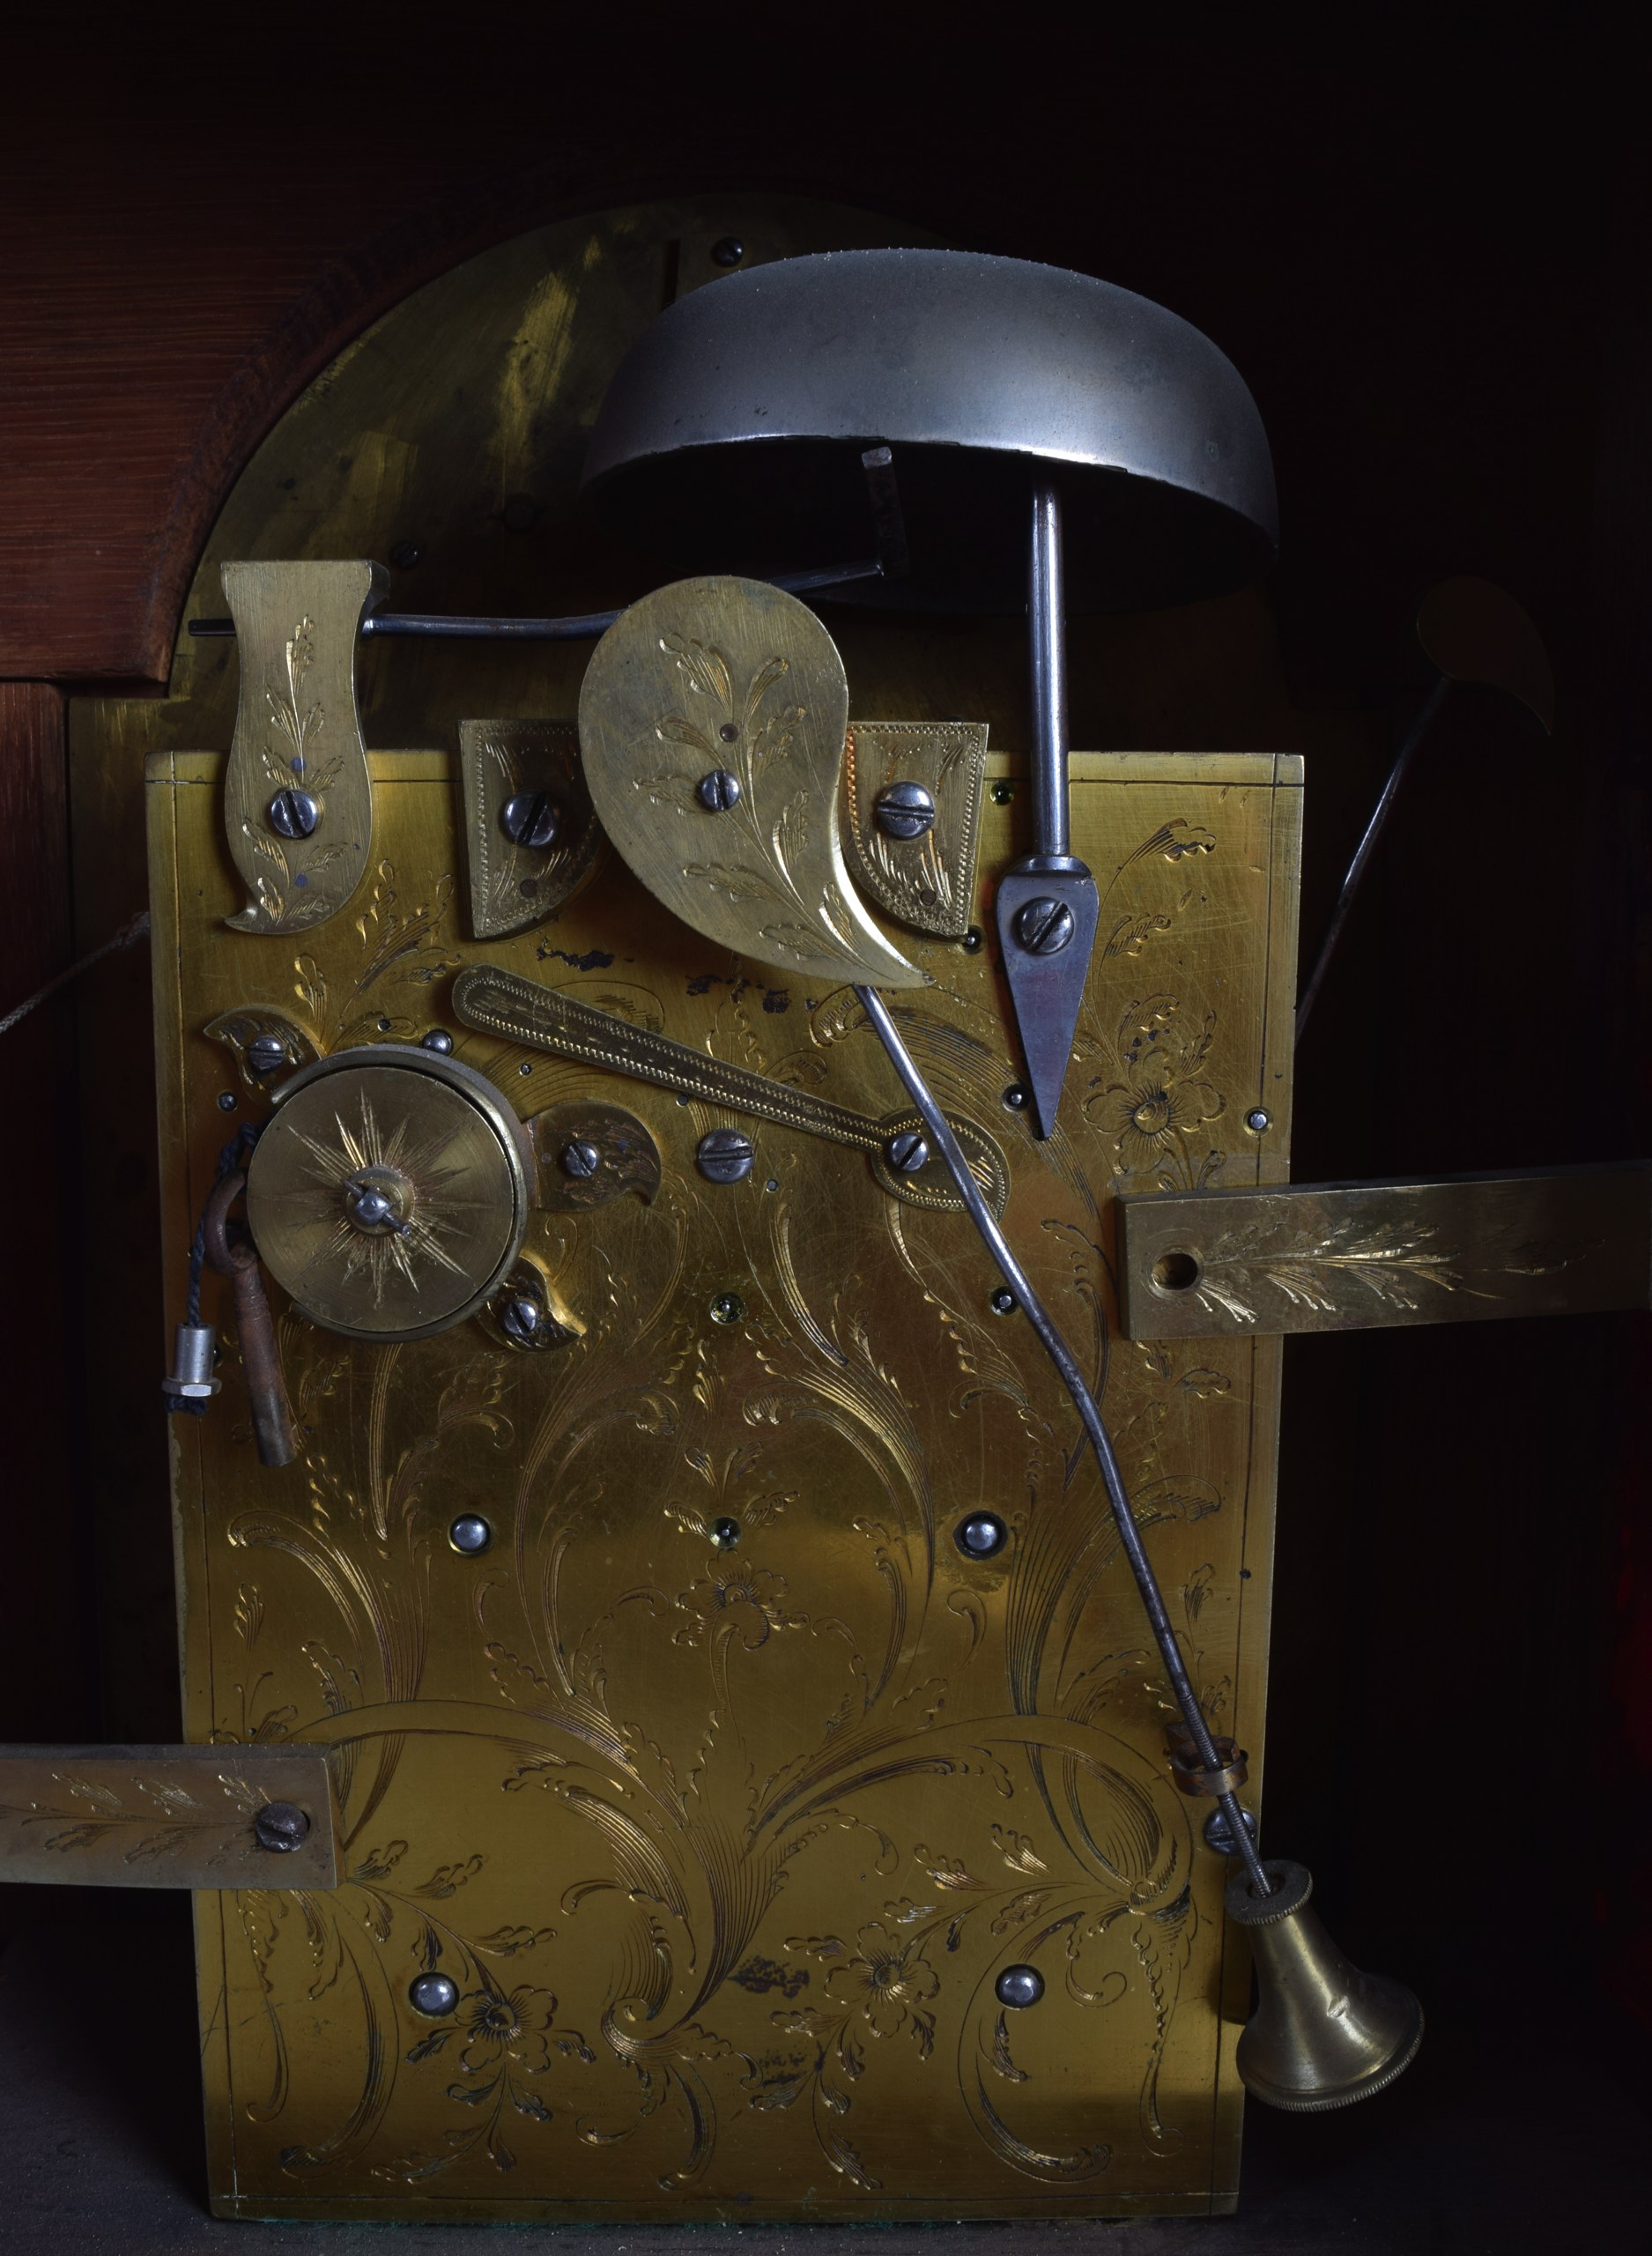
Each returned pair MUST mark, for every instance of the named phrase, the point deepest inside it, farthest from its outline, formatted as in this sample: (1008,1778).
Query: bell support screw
(904,809)
(292,813)
(530,818)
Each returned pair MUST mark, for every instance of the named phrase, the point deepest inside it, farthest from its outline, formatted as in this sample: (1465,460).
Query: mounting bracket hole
(1177,1272)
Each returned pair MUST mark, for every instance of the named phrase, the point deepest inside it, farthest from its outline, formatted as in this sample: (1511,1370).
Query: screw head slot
(520,1320)
(904,809)
(530,818)
(718,791)
(724,1155)
(266,1053)
(292,813)
(907,1152)
(1044,927)
(281,1826)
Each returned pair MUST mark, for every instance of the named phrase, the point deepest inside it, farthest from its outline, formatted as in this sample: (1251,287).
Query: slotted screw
(530,818)
(718,791)
(906,1152)
(904,809)
(1044,927)
(281,1826)
(292,813)
(724,1155)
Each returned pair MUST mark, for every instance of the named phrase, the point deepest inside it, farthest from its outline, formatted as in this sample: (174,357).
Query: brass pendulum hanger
(1048,905)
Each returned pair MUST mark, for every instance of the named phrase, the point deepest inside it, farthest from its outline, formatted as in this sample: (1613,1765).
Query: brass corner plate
(1357,1257)
(512,886)
(164,1816)
(928,882)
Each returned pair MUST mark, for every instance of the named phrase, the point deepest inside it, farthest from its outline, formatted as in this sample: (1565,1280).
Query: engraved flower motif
(508,2028)
(1162,1093)
(890,1983)
(1147,1112)
(746,1602)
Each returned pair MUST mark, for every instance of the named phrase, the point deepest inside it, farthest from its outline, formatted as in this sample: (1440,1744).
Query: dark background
(1420,238)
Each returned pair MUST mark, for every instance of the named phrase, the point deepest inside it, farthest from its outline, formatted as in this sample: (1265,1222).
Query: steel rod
(1047,651)
(1367,847)
(580,627)
(944,1141)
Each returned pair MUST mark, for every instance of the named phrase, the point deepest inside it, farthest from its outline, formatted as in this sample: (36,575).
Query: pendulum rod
(1047,653)
(944,1141)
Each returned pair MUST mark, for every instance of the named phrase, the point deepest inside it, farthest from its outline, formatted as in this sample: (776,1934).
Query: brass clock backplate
(722,1784)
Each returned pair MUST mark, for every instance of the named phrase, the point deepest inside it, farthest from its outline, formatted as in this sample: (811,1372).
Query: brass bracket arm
(297,805)
(1355,1256)
(230,1816)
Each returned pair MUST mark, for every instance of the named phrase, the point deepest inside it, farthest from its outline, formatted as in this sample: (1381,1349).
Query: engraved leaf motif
(505,1942)
(77,1837)
(1017,1851)
(1316,1273)
(448,1879)
(945,1872)
(704,667)
(676,728)
(89,1790)
(169,1798)
(156,1845)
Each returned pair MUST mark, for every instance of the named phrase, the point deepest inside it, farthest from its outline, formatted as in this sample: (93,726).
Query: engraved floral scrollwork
(400,948)
(735,1784)
(1160,1100)
(802,919)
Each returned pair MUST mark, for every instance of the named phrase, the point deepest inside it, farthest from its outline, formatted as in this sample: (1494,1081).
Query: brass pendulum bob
(1323,2034)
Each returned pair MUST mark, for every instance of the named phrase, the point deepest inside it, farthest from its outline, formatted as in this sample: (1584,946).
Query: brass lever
(543,1018)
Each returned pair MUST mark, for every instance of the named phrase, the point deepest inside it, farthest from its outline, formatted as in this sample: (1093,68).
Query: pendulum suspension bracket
(1048,905)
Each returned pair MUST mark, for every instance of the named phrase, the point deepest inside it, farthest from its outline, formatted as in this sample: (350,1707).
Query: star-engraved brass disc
(387,1194)
(712,722)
